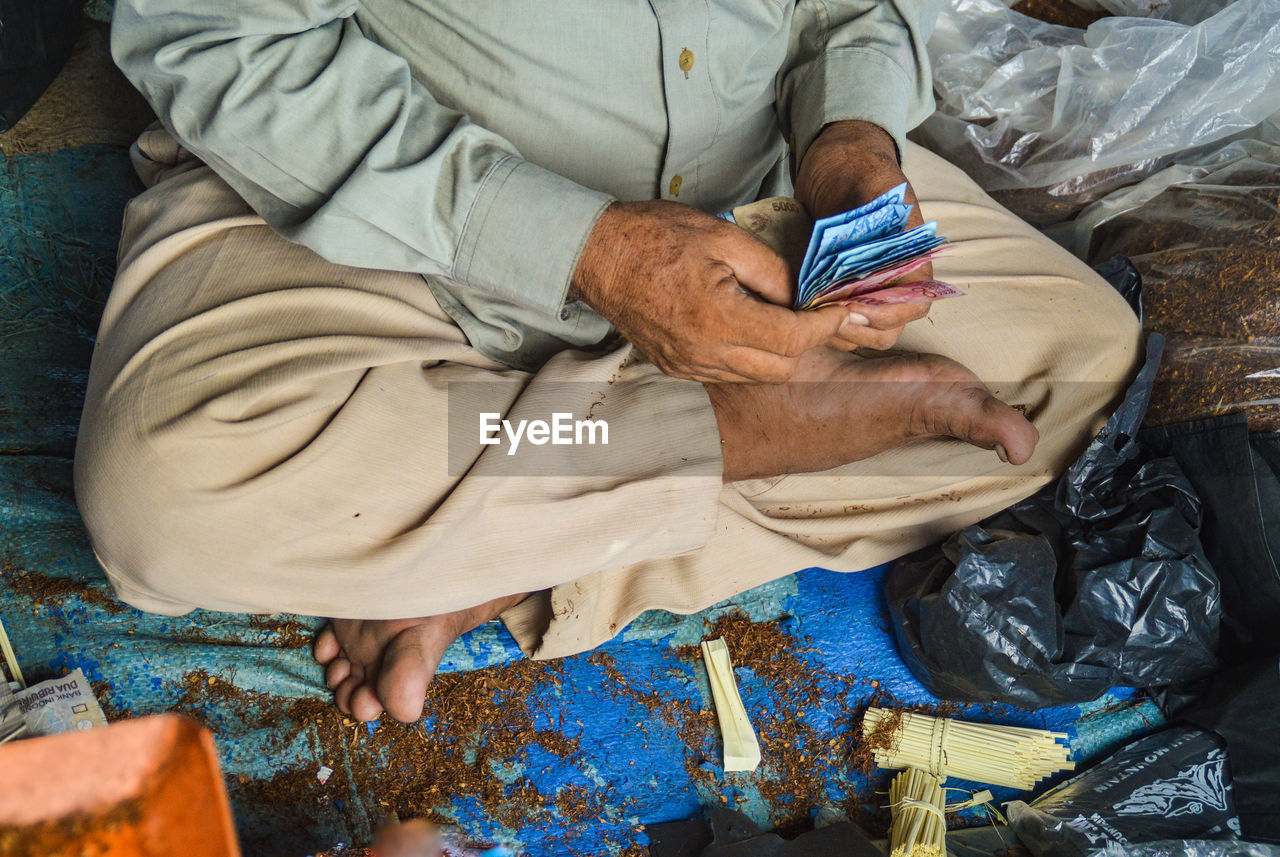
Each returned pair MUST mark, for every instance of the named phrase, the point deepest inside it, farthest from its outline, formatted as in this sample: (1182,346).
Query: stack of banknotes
(856,255)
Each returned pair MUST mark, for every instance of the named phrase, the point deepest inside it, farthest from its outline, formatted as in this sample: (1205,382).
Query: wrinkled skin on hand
(701,298)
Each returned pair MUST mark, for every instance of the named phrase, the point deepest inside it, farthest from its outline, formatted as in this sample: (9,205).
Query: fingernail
(859,318)
(1001,453)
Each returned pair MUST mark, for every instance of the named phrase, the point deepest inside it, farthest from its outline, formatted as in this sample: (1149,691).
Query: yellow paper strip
(15,671)
(741,749)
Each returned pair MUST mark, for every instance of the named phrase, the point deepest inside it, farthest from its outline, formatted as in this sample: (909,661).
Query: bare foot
(386,665)
(839,408)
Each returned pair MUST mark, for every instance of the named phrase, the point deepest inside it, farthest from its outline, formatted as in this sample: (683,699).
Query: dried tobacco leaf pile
(1209,253)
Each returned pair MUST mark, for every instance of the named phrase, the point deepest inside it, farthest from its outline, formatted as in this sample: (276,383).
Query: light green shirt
(477,141)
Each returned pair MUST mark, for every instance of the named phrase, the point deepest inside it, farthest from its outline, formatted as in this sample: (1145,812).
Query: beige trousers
(266,431)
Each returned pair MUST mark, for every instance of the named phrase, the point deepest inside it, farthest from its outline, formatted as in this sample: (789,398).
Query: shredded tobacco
(1209,255)
(44,589)
(474,742)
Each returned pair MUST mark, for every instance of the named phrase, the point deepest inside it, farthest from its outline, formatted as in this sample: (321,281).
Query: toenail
(1001,453)
(859,319)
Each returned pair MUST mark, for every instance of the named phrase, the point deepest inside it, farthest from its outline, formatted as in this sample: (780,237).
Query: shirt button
(674,187)
(564,313)
(686,60)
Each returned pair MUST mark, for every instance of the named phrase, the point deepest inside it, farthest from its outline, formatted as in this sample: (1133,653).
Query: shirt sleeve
(856,59)
(332,141)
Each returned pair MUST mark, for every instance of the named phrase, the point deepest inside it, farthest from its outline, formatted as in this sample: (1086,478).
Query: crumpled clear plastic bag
(1207,243)
(1208,248)
(1048,119)
(1174,784)
(1206,376)
(1097,581)
(1228,164)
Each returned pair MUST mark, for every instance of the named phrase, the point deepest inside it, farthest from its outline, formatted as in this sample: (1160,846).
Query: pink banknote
(932,290)
(845,289)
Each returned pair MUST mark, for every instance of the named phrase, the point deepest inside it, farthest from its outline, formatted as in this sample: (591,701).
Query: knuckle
(743,364)
(794,342)
(781,372)
(766,370)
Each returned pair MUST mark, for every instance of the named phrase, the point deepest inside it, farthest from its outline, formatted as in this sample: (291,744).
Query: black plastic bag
(1095,582)
(989,840)
(1191,848)
(1125,278)
(1240,705)
(36,37)
(726,833)
(1237,478)
(1170,785)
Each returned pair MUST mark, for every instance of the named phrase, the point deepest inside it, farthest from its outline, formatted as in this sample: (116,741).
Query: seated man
(368,222)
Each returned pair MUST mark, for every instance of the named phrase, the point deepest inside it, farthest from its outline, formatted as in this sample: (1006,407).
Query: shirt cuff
(852,83)
(524,234)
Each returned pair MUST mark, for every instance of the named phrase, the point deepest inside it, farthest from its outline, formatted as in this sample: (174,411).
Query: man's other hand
(700,297)
(848,165)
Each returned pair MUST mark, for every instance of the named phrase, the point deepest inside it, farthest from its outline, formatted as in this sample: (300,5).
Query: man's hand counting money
(699,297)
(851,163)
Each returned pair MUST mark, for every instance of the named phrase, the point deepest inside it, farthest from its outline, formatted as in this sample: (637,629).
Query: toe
(990,423)
(364,704)
(343,692)
(1006,429)
(407,670)
(326,646)
(337,672)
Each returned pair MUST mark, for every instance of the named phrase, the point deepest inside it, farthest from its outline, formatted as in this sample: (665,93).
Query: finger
(705,373)
(758,268)
(919,275)
(761,367)
(783,331)
(723,376)
(869,337)
(884,317)
(916,216)
(720,366)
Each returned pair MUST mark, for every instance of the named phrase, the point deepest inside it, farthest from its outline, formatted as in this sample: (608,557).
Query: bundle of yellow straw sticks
(919,825)
(930,749)
(985,753)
